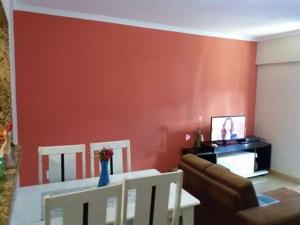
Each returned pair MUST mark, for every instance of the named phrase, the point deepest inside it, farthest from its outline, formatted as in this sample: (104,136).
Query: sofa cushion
(243,186)
(222,167)
(196,162)
(283,213)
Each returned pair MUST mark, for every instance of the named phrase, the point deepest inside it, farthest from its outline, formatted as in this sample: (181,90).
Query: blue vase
(104,176)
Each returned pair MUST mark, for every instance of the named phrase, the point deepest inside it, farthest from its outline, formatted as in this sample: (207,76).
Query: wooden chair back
(117,161)
(152,198)
(62,162)
(86,207)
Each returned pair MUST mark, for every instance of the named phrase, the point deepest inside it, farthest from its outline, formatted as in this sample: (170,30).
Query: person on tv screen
(227,131)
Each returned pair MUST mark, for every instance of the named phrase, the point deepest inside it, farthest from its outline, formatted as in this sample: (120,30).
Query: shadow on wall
(171,139)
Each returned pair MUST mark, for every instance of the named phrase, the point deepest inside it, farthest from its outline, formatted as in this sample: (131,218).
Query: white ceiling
(239,19)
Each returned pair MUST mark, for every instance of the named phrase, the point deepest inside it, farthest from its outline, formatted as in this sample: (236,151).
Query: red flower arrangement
(105,154)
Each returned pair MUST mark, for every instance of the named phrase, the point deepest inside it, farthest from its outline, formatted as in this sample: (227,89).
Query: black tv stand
(220,143)
(226,142)
(260,151)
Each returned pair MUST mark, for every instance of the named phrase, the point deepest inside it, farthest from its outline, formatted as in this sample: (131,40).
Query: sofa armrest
(283,213)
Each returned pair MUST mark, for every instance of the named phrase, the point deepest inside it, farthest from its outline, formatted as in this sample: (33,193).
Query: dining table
(28,207)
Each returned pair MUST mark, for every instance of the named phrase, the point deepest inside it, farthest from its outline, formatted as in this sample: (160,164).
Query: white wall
(279,50)
(278,101)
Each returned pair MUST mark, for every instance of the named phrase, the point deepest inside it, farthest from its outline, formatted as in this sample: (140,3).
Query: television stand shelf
(246,159)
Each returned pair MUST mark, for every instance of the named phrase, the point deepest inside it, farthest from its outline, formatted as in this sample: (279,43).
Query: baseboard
(285,176)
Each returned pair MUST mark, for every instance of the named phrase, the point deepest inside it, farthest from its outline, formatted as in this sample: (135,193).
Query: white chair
(62,162)
(86,207)
(117,162)
(152,198)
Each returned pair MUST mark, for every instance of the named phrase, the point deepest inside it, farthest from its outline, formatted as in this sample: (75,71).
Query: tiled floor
(271,182)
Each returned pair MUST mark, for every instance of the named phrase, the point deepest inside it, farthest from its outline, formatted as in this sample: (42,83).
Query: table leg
(188,216)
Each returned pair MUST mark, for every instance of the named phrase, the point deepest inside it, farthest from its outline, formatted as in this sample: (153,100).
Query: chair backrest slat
(62,162)
(89,206)
(152,198)
(160,211)
(54,172)
(73,215)
(117,159)
(96,215)
(61,149)
(142,214)
(70,164)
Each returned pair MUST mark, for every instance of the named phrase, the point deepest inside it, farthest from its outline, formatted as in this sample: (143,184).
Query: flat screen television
(228,128)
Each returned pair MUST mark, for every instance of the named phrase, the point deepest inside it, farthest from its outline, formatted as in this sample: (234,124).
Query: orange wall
(82,81)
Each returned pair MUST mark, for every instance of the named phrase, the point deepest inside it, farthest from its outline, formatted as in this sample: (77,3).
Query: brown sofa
(228,199)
